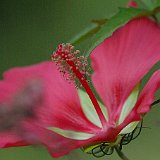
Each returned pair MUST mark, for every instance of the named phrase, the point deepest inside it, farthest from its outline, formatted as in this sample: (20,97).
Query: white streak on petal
(71,134)
(89,109)
(129,104)
(129,128)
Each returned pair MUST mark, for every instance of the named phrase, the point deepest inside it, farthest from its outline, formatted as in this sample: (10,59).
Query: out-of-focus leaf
(118,20)
(99,21)
(151,4)
(89,31)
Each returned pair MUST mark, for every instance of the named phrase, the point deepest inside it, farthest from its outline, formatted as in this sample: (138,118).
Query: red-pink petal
(60,106)
(145,100)
(10,140)
(56,144)
(147,95)
(132,3)
(122,60)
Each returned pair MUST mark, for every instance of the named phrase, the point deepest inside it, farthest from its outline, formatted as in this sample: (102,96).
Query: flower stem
(120,153)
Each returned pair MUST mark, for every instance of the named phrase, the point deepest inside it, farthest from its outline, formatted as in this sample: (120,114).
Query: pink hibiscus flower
(67,118)
(132,3)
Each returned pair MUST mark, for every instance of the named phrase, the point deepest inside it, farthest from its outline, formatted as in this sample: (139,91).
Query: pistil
(73,67)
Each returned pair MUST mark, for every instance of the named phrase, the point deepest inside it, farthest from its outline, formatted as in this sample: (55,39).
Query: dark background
(29,32)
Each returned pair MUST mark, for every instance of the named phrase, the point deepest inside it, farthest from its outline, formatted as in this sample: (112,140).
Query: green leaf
(118,20)
(151,4)
(85,34)
(88,32)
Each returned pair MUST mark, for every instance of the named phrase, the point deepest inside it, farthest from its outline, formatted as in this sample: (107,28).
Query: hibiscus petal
(146,98)
(57,145)
(132,3)
(61,103)
(60,107)
(122,60)
(10,139)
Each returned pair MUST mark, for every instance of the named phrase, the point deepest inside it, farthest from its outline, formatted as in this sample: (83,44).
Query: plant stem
(120,153)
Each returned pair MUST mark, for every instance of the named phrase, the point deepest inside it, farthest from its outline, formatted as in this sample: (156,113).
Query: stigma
(74,68)
(70,63)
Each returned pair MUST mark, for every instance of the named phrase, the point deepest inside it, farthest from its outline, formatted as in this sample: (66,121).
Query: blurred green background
(31,29)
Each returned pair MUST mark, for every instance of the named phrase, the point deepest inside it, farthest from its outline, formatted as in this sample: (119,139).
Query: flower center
(73,68)
(107,148)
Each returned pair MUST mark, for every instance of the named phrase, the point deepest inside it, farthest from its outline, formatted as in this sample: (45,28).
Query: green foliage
(88,32)
(150,4)
(118,20)
(102,29)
